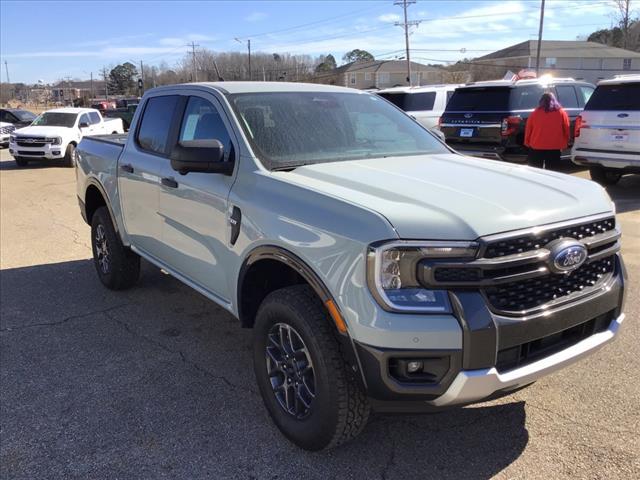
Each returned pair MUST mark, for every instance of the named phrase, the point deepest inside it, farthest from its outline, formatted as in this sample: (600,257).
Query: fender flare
(92,181)
(282,255)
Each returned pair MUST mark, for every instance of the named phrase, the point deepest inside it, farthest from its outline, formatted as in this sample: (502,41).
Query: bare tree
(623,17)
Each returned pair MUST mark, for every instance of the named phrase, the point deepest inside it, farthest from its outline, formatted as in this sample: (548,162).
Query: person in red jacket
(547,132)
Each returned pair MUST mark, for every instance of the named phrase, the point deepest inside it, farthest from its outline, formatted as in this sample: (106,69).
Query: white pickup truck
(56,133)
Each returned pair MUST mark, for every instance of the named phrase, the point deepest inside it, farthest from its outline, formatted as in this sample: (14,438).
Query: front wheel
(117,266)
(70,156)
(21,161)
(604,176)
(309,390)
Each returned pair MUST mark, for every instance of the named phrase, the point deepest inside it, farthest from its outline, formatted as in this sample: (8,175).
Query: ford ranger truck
(56,133)
(379,269)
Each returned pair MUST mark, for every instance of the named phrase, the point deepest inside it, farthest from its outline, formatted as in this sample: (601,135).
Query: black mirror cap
(204,156)
(83,125)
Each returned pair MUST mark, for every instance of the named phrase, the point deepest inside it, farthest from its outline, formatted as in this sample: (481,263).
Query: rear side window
(615,97)
(410,102)
(525,98)
(153,133)
(584,94)
(488,99)
(567,96)
(202,121)
(94,117)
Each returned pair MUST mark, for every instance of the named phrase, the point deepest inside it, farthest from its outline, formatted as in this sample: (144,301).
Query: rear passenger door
(140,167)
(193,207)
(95,127)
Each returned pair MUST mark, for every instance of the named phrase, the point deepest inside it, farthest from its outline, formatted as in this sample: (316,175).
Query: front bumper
(47,151)
(485,367)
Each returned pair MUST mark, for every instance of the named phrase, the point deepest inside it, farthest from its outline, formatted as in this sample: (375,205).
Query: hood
(453,197)
(5,124)
(44,131)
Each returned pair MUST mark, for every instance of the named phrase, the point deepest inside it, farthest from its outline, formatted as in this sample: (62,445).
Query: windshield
(495,99)
(24,116)
(55,119)
(615,97)
(298,128)
(411,102)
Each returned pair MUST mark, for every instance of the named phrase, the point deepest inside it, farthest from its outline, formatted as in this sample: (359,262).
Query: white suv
(607,133)
(425,104)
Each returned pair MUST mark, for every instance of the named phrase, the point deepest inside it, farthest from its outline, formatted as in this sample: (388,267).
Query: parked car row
(488,119)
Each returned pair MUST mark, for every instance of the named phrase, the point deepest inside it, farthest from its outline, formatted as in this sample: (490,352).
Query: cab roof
(620,79)
(422,88)
(71,110)
(260,87)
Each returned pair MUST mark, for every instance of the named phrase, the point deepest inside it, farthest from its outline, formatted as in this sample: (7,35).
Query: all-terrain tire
(70,156)
(340,409)
(117,266)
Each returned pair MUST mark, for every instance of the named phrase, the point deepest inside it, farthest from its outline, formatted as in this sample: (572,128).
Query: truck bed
(116,139)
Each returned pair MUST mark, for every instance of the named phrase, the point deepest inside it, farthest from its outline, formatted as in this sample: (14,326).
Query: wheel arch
(95,197)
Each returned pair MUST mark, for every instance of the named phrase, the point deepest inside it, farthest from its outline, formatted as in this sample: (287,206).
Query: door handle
(127,168)
(169,182)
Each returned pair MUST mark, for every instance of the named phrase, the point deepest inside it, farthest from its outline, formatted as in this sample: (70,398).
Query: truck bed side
(97,169)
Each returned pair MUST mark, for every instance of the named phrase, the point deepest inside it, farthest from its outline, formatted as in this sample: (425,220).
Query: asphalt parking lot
(157,382)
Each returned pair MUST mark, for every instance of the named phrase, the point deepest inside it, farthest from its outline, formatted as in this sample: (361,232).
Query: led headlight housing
(53,140)
(12,138)
(392,274)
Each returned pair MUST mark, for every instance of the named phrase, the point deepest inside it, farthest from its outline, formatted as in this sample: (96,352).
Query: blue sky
(39,45)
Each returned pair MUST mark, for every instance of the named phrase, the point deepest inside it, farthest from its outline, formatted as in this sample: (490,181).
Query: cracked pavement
(157,382)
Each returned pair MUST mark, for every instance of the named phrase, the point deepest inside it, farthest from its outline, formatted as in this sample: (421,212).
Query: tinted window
(615,97)
(411,102)
(94,117)
(567,96)
(525,98)
(299,128)
(84,118)
(449,95)
(4,117)
(480,98)
(202,121)
(154,128)
(24,115)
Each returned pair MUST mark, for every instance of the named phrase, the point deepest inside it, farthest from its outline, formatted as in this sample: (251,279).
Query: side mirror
(204,156)
(83,125)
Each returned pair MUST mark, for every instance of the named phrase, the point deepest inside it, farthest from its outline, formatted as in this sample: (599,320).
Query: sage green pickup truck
(379,269)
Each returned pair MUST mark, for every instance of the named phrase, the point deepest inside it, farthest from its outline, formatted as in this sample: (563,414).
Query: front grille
(535,292)
(30,142)
(533,241)
(7,129)
(529,352)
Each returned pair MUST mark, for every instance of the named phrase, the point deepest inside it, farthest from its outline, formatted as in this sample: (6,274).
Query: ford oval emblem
(468,115)
(566,255)
(623,115)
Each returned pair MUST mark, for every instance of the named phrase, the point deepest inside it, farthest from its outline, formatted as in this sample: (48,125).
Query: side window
(84,118)
(449,95)
(201,121)
(4,117)
(567,96)
(584,95)
(94,117)
(153,133)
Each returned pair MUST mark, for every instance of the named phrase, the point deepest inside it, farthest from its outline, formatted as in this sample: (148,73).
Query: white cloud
(389,17)
(256,17)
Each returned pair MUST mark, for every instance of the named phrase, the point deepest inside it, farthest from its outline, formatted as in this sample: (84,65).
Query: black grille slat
(526,243)
(532,293)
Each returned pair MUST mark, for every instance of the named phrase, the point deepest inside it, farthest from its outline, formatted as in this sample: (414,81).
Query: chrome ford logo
(468,115)
(566,255)
(623,115)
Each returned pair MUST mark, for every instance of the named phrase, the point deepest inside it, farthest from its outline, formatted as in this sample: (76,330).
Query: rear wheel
(21,161)
(309,390)
(604,176)
(70,156)
(117,266)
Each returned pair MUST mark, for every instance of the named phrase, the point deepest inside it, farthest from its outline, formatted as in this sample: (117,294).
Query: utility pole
(142,74)
(91,83)
(249,52)
(193,46)
(106,83)
(539,38)
(407,24)
(6,69)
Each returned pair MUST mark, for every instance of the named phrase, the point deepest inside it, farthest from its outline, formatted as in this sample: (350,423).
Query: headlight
(12,138)
(53,140)
(392,274)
